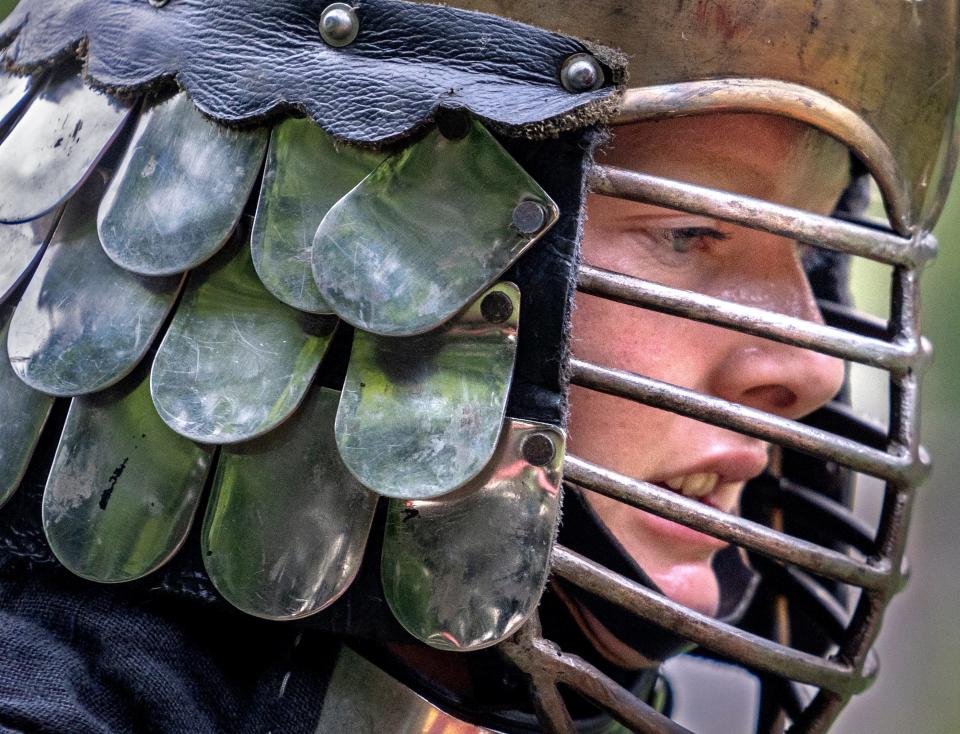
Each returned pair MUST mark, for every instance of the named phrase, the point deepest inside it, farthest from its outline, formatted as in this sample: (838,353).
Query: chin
(693,584)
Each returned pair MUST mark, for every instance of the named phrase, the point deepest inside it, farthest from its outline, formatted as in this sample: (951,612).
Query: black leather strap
(244,60)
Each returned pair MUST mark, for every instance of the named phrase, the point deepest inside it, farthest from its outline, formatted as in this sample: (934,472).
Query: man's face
(762,156)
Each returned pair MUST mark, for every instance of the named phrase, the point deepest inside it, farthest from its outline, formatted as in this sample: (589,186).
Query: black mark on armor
(58,143)
(410,513)
(112,484)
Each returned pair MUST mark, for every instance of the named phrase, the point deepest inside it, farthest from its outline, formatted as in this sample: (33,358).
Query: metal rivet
(581,73)
(496,307)
(453,124)
(538,449)
(158,3)
(529,217)
(339,25)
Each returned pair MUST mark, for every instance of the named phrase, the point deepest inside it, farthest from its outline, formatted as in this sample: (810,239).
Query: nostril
(771,397)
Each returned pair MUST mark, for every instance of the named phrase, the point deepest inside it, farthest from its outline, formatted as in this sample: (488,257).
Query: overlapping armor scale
(161,373)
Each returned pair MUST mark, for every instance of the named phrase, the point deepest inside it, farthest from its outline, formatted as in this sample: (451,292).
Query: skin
(767,157)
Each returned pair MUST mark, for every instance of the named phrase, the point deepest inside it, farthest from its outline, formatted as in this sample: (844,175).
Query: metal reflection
(23,413)
(179,190)
(83,323)
(123,488)
(427,232)
(465,571)
(421,416)
(287,525)
(55,145)
(306,173)
(363,698)
(235,362)
(21,246)
(14,93)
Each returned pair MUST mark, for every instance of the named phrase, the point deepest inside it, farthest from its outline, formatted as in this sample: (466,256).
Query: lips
(717,480)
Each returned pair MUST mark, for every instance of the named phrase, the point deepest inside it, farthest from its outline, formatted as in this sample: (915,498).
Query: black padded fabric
(547,277)
(245,60)
(76,658)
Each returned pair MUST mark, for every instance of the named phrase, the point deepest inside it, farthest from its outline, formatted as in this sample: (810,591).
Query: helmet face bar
(397,310)
(901,465)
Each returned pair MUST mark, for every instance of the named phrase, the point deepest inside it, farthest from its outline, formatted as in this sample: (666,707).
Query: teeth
(694,485)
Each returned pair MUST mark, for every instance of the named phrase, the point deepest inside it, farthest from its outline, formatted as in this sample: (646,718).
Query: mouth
(718,483)
(708,488)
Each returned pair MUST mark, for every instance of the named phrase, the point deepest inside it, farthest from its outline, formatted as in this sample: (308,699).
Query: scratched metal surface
(288,519)
(287,524)
(123,489)
(425,233)
(306,173)
(490,544)
(23,413)
(84,323)
(235,362)
(55,145)
(420,416)
(180,189)
(21,246)
(14,93)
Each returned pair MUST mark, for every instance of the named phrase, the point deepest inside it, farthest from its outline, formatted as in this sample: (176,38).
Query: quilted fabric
(111,662)
(244,60)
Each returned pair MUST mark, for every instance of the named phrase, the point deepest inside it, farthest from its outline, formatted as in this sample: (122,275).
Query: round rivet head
(529,217)
(496,307)
(453,124)
(158,3)
(581,73)
(538,449)
(339,25)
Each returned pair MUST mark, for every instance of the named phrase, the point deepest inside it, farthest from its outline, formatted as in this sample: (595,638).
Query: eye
(685,239)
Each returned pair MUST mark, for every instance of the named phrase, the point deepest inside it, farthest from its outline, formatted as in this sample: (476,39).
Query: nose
(780,379)
(786,381)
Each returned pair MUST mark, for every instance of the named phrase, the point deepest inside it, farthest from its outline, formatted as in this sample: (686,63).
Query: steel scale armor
(286,297)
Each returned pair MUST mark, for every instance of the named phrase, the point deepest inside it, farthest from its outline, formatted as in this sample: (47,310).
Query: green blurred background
(918,691)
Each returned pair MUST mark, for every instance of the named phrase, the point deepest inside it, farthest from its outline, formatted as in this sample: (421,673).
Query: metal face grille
(861,558)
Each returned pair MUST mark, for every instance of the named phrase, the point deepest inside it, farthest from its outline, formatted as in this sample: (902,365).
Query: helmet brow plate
(849,68)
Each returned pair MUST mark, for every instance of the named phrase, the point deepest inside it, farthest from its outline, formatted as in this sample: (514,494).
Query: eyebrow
(638,217)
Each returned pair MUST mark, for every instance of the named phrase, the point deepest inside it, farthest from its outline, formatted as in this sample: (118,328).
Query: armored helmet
(310,265)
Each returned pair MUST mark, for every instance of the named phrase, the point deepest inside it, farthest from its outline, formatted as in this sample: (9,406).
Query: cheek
(628,438)
(610,430)
(614,335)
(637,340)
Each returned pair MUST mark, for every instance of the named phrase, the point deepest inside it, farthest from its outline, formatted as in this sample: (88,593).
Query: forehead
(765,156)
